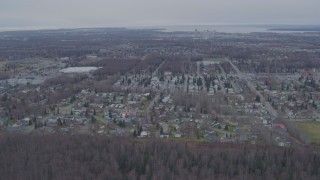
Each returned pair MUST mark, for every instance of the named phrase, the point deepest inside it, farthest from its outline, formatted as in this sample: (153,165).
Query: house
(91,56)
(164,135)
(166,99)
(52,122)
(78,111)
(146,94)
(144,134)
(167,73)
(127,114)
(132,102)
(165,128)
(119,99)
(306,73)
(68,118)
(155,80)
(81,120)
(64,58)
(290,114)
(230,90)
(25,121)
(241,97)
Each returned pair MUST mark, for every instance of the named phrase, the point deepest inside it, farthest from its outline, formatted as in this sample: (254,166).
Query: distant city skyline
(135,13)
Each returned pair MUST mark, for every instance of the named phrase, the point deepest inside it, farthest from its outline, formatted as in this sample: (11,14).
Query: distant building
(64,58)
(90,56)
(306,73)
(79,70)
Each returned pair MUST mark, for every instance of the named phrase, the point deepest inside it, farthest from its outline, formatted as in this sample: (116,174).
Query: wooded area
(97,157)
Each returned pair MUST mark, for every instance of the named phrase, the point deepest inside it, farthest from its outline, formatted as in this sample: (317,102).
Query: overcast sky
(115,13)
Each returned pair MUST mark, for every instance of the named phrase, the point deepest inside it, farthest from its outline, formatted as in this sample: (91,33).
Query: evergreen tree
(134,133)
(258,98)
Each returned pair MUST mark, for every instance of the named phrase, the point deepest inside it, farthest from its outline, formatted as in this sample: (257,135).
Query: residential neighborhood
(192,91)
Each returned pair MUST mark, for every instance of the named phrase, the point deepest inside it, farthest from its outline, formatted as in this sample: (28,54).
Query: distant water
(217,28)
(242,28)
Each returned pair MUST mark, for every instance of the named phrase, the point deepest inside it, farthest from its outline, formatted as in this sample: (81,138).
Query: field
(217,60)
(2,63)
(312,131)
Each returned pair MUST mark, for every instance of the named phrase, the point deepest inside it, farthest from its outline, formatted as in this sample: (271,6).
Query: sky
(134,13)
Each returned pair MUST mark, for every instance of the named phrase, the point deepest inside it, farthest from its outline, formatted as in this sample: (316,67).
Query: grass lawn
(312,131)
(201,139)
(146,105)
(2,63)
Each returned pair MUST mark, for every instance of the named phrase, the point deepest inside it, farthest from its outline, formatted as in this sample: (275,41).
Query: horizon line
(42,28)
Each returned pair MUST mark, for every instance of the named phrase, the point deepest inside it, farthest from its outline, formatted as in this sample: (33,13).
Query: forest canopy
(97,157)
